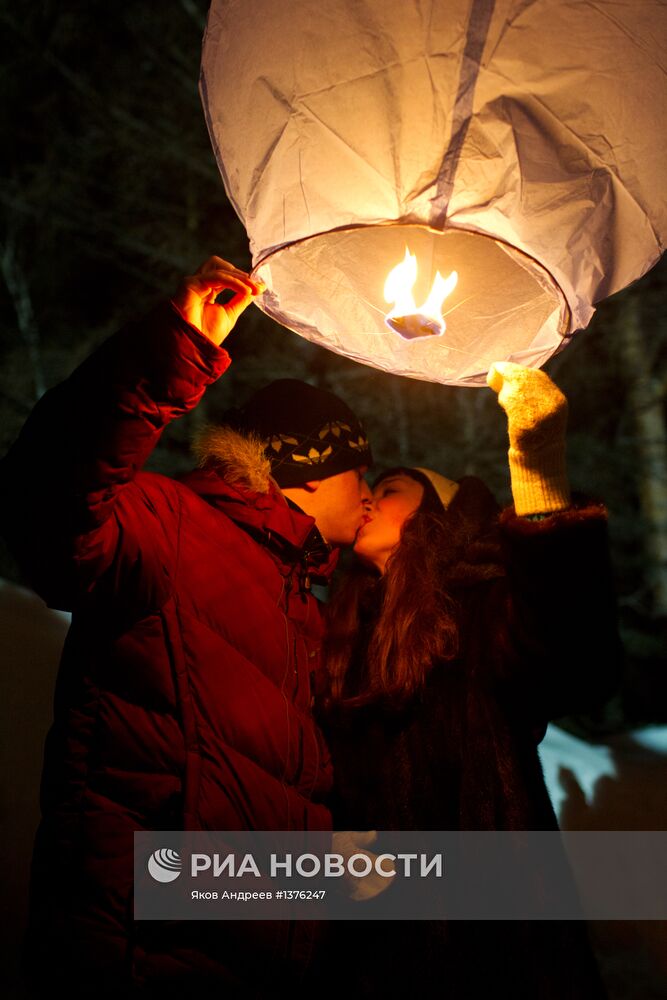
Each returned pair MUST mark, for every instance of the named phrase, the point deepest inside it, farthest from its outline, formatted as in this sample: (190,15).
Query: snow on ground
(586,763)
(617,784)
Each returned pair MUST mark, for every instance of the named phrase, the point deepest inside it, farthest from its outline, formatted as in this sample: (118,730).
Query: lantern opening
(407,318)
(329,289)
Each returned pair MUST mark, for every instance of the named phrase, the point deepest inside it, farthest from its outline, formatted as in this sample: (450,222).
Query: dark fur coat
(539,640)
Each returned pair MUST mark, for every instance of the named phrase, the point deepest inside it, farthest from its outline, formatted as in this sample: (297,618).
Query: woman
(459,634)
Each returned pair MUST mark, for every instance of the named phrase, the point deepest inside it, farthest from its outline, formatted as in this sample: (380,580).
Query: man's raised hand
(196,295)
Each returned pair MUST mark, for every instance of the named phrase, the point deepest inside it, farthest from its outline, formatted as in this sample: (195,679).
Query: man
(184,695)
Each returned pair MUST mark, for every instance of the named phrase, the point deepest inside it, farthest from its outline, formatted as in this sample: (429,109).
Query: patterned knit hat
(308,433)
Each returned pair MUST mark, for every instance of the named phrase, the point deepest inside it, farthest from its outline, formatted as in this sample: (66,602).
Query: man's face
(340,501)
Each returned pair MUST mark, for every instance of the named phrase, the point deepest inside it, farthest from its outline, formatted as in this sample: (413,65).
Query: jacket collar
(281,527)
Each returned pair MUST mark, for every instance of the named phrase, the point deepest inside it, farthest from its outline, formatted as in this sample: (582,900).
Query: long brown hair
(384,633)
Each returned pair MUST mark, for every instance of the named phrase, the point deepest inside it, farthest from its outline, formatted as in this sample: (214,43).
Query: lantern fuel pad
(407,318)
(523,143)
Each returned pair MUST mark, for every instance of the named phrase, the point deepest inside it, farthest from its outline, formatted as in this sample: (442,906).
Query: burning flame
(406,317)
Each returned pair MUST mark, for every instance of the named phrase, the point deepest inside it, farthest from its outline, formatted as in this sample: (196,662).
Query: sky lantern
(430,187)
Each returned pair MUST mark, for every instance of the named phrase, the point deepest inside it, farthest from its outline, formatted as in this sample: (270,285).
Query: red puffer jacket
(184,694)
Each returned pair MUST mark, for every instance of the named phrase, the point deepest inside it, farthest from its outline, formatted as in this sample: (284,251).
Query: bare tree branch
(152,136)
(190,8)
(80,223)
(17,285)
(651,437)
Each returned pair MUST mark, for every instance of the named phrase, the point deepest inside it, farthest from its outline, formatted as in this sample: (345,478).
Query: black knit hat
(308,433)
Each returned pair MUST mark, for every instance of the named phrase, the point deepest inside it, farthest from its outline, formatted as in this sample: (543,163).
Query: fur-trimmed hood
(239,458)
(234,476)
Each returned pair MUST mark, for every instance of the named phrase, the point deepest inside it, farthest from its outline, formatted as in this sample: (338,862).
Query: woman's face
(394,500)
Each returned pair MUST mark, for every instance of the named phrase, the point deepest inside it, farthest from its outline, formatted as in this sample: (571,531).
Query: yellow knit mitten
(536,420)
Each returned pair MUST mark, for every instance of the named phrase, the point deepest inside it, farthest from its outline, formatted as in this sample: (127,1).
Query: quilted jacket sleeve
(71,507)
(557,644)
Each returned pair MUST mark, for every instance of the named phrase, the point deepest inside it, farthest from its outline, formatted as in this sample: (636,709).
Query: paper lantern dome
(522,146)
